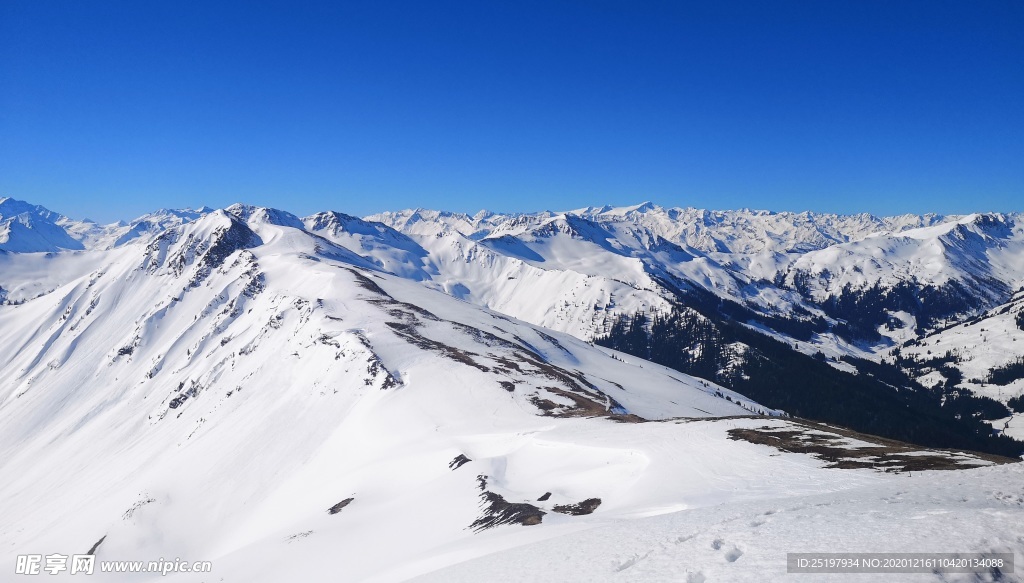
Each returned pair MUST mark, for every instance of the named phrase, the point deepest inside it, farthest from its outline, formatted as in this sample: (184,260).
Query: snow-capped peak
(28,228)
(10,207)
(255,215)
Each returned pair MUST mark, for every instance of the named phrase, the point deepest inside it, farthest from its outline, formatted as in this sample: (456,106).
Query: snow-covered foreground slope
(747,541)
(674,469)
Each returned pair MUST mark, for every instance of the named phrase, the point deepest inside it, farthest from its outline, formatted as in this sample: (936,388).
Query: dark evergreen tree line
(1006,374)
(1016,404)
(881,400)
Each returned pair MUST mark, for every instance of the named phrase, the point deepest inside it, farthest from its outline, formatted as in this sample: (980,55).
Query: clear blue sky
(110,109)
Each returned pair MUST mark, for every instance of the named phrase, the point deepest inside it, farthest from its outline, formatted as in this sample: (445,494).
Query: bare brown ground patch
(834,445)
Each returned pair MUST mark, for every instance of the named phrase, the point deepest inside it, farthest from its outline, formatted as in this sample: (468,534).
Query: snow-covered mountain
(827,284)
(857,284)
(838,286)
(237,375)
(743,231)
(335,398)
(925,268)
(27,228)
(983,354)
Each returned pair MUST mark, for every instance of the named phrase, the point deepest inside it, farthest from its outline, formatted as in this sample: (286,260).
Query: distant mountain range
(842,286)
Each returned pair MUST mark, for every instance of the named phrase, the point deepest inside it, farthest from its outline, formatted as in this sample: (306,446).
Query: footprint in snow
(733,554)
(630,562)
(681,539)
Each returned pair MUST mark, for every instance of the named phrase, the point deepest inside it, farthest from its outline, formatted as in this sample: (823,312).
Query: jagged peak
(165,218)
(10,207)
(338,222)
(255,215)
(28,228)
(205,243)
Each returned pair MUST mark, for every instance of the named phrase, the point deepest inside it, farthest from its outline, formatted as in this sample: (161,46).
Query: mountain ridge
(845,286)
(265,391)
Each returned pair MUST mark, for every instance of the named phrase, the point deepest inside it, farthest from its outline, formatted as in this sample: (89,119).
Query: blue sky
(111,109)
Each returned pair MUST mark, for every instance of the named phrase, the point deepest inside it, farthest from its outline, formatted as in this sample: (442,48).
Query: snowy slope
(748,540)
(304,399)
(229,381)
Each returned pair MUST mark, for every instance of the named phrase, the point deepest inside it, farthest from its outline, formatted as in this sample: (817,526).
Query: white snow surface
(216,390)
(206,384)
(741,541)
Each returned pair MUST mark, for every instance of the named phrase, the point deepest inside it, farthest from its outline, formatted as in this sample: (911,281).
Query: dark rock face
(498,511)
(339,506)
(458,462)
(588,506)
